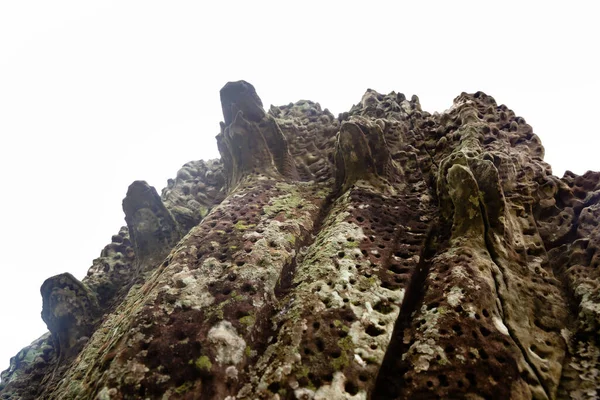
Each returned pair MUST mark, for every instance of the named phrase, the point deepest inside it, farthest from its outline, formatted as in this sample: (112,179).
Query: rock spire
(387,253)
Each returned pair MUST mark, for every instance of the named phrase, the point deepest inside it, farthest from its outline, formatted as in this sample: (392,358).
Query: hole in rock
(457,329)
(471,378)
(274,387)
(374,331)
(320,344)
(483,354)
(383,307)
(351,388)
(443,380)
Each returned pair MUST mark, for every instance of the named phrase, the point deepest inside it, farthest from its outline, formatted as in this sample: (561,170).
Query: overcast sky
(97,94)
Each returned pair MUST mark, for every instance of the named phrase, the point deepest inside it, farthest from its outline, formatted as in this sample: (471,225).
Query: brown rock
(388,254)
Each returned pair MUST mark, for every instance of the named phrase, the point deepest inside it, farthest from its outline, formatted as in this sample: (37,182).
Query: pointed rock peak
(250,141)
(479,98)
(241,96)
(415,102)
(371,98)
(69,310)
(469,115)
(152,228)
(391,106)
(139,195)
(362,153)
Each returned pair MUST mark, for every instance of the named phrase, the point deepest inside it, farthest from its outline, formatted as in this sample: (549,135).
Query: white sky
(96,94)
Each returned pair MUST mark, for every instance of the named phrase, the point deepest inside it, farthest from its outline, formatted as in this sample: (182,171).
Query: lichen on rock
(152,228)
(388,253)
(69,310)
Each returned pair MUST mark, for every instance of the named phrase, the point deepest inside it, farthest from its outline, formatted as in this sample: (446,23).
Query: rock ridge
(387,253)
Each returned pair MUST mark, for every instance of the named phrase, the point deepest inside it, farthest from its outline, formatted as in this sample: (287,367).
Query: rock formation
(388,253)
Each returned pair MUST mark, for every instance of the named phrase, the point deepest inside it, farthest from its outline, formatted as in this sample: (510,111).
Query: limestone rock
(112,274)
(311,133)
(27,368)
(152,228)
(251,141)
(198,187)
(69,310)
(388,253)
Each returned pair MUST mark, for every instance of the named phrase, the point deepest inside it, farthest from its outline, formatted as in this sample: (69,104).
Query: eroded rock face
(388,254)
(189,197)
(69,310)
(251,141)
(153,229)
(112,274)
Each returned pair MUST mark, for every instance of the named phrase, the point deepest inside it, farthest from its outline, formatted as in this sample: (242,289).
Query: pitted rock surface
(111,274)
(388,253)
(152,228)
(199,186)
(69,310)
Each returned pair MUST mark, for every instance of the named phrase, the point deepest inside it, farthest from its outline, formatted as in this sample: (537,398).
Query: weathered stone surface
(112,274)
(189,197)
(568,216)
(69,310)
(251,141)
(198,187)
(310,133)
(28,368)
(388,253)
(152,228)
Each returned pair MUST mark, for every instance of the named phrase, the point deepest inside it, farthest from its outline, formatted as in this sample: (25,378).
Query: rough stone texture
(388,253)
(111,274)
(199,185)
(154,231)
(36,369)
(69,310)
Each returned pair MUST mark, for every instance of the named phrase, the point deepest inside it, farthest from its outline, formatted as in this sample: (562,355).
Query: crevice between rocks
(494,257)
(390,379)
(570,237)
(286,277)
(265,319)
(424,147)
